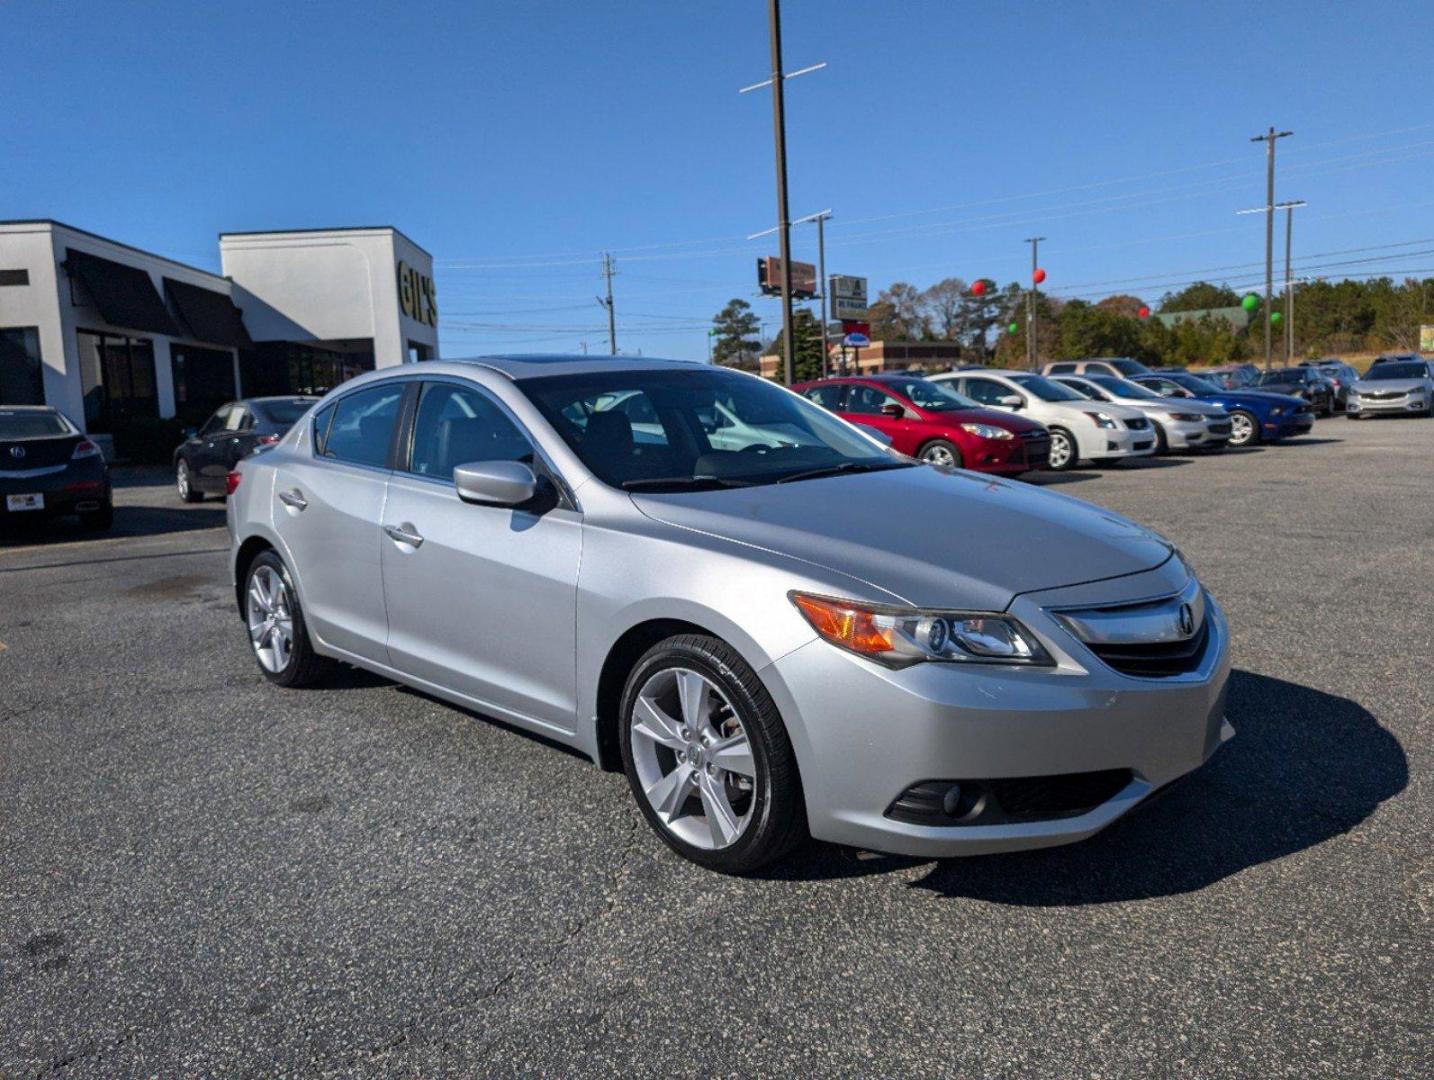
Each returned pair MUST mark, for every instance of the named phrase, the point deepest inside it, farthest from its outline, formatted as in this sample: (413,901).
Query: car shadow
(1305,440)
(1304,767)
(129,521)
(1056,479)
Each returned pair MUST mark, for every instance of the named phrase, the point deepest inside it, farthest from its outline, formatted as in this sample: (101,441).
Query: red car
(934,423)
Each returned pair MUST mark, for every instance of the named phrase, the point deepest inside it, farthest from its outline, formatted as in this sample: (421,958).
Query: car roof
(29,408)
(520,366)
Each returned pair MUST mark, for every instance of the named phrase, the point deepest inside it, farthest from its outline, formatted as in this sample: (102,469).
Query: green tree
(806,346)
(1200,296)
(737,338)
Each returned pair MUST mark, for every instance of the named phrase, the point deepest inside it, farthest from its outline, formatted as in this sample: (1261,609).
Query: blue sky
(517,141)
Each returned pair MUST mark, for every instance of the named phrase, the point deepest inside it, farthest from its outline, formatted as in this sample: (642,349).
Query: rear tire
(278,634)
(1162,444)
(940,452)
(184,483)
(689,697)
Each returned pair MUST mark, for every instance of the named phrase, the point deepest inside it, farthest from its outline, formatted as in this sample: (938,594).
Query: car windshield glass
(1044,389)
(931,396)
(677,430)
(1276,377)
(1194,384)
(1084,389)
(284,411)
(1129,367)
(25,424)
(1404,370)
(1123,388)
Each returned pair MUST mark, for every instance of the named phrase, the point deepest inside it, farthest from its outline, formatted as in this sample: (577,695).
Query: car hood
(931,537)
(1369,386)
(1254,398)
(1174,405)
(1012,422)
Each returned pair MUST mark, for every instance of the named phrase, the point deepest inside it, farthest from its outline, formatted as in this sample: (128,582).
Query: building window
(14,277)
(418,352)
(203,381)
(117,377)
(21,381)
(296,367)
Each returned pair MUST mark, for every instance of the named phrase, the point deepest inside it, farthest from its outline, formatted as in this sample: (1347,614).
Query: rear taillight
(85,449)
(267,440)
(231,482)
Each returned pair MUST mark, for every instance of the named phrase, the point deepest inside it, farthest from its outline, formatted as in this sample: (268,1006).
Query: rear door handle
(404,534)
(293,498)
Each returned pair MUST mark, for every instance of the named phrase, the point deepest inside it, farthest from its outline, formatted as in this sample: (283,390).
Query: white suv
(1081,430)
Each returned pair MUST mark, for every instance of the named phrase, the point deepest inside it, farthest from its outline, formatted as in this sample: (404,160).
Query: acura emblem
(1186,620)
(17,451)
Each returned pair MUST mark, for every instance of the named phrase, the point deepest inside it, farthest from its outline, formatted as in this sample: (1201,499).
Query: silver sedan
(774,626)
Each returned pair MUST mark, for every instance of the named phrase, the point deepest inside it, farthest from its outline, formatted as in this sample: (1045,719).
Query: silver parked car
(1179,425)
(1395,387)
(772,624)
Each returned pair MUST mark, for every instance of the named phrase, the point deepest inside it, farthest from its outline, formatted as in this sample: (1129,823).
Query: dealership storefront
(115,336)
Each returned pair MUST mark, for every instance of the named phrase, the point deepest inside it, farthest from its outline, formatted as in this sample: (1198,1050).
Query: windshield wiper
(681,483)
(844,467)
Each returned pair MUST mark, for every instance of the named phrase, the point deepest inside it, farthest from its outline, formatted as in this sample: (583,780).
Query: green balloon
(1274,316)
(1013,327)
(1251,302)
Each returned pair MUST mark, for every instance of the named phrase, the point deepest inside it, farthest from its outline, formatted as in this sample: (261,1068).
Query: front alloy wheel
(1242,429)
(942,453)
(708,757)
(1062,454)
(184,483)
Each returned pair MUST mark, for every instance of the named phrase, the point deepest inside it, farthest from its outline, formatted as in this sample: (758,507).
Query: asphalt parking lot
(201,874)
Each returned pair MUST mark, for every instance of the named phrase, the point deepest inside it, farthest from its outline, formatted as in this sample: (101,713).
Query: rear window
(286,413)
(25,424)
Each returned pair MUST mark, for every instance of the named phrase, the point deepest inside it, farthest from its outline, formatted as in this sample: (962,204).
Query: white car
(1179,425)
(1081,430)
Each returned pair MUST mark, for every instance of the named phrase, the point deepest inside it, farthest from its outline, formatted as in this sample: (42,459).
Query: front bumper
(866,734)
(1116,443)
(1196,435)
(1010,457)
(1285,427)
(1400,406)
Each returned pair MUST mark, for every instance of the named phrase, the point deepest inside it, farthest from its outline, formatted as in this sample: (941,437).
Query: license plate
(25,502)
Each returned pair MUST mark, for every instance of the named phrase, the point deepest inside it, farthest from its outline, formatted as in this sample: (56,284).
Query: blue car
(1255,415)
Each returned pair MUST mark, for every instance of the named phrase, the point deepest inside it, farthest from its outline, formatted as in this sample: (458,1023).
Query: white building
(113,335)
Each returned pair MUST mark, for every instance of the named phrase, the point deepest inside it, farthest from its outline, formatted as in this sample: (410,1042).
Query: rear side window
(867,400)
(827,396)
(1062,369)
(456,425)
(362,425)
(322,419)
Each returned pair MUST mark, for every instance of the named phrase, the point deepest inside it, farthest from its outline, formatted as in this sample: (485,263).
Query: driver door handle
(293,498)
(404,534)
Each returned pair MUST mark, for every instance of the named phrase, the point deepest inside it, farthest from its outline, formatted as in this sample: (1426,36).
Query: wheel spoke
(652,723)
(669,793)
(256,594)
(734,755)
(258,631)
(694,693)
(721,819)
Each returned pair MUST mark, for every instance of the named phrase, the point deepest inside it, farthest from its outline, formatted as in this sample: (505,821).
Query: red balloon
(1039,276)
(1144,312)
(978,288)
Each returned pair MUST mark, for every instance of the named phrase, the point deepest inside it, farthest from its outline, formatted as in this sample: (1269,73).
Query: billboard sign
(848,297)
(769,278)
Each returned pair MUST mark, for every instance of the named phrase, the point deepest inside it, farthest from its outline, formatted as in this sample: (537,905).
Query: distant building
(111,334)
(881,356)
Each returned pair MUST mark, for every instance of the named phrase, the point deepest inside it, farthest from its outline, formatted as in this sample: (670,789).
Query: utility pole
(607,272)
(1269,140)
(1035,242)
(822,278)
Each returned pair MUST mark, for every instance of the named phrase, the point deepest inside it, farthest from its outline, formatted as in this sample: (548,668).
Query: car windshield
(29,424)
(665,430)
(1124,388)
(1402,370)
(1274,377)
(1044,389)
(1129,367)
(931,396)
(1084,389)
(284,411)
(1194,384)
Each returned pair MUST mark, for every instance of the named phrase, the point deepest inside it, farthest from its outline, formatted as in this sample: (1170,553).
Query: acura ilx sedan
(774,625)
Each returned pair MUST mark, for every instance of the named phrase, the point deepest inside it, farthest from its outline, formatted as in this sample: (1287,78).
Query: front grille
(1221,428)
(1156,661)
(1006,800)
(1304,410)
(1036,448)
(1138,424)
(1384,395)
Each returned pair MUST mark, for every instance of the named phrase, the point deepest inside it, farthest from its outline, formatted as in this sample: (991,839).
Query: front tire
(1063,453)
(708,758)
(1162,444)
(1244,428)
(184,483)
(278,635)
(940,452)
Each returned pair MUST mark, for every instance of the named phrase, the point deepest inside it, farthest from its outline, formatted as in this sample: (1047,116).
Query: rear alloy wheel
(708,758)
(1062,455)
(275,620)
(1244,431)
(940,452)
(184,483)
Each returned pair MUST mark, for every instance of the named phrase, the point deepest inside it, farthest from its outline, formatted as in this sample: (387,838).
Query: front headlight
(1278,410)
(986,431)
(1187,417)
(1101,420)
(899,637)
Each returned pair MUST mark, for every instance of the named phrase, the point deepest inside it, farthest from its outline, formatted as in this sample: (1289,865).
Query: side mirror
(893,410)
(495,483)
(1012,401)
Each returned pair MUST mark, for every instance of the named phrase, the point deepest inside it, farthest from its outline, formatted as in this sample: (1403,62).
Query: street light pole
(822,279)
(779,129)
(1035,242)
(1269,140)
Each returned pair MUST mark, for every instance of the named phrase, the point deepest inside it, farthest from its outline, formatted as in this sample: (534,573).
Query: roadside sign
(848,297)
(856,341)
(769,278)
(1426,339)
